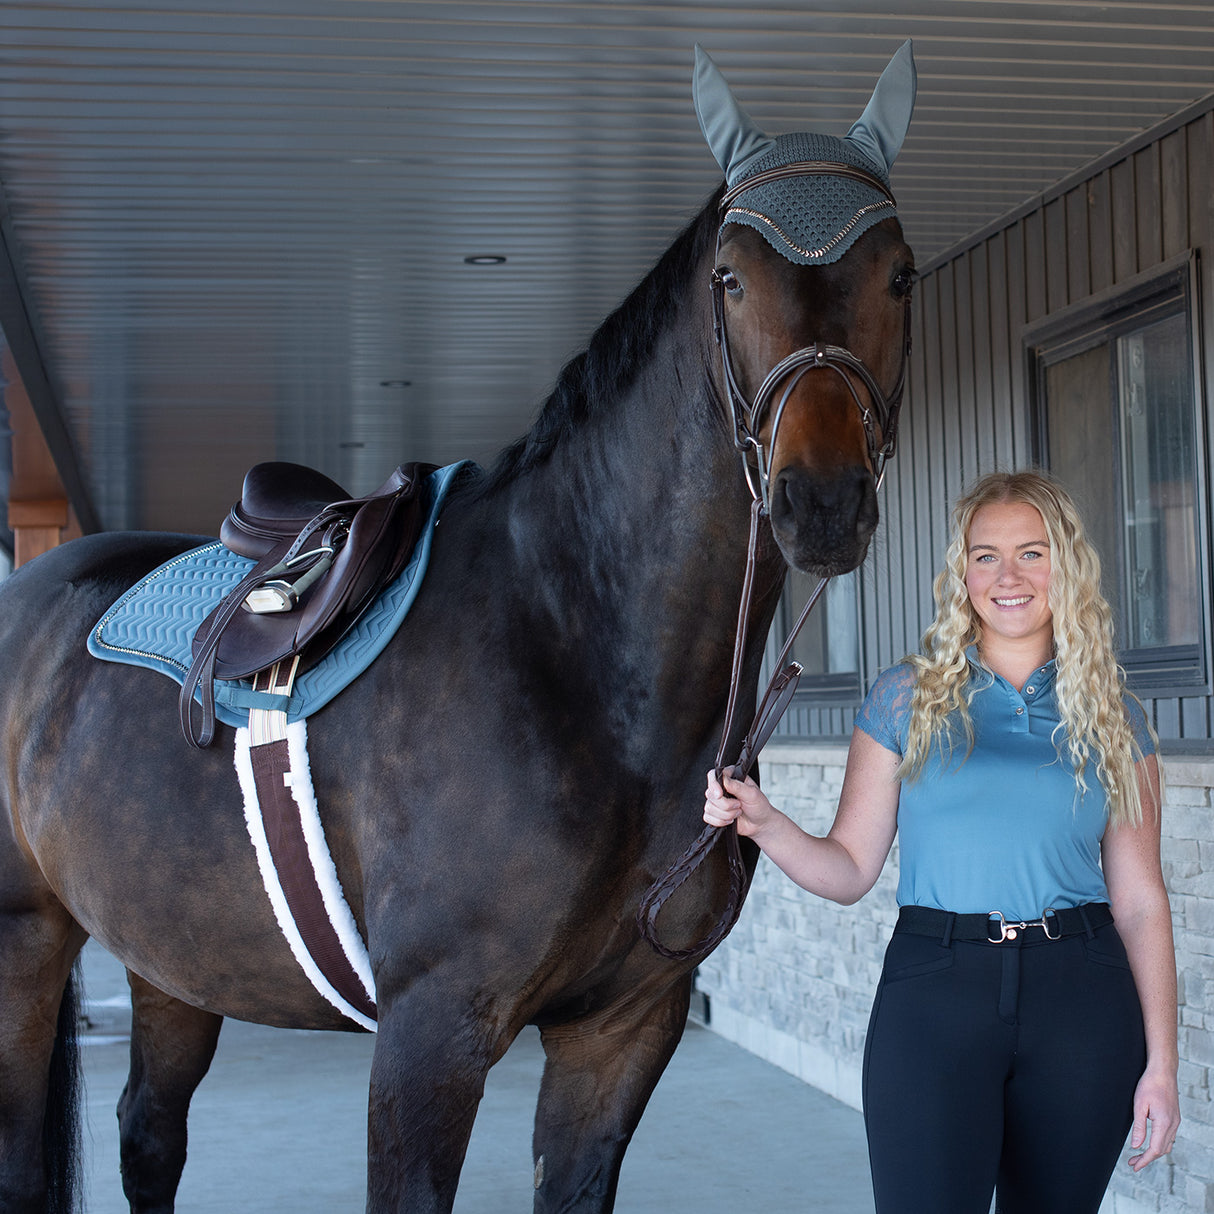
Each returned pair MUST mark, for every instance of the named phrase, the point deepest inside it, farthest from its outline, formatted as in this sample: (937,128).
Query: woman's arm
(845,864)
(1130,856)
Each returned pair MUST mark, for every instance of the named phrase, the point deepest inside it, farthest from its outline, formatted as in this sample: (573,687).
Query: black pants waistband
(996,927)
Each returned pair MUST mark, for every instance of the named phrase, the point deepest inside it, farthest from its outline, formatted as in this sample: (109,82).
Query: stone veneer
(795,980)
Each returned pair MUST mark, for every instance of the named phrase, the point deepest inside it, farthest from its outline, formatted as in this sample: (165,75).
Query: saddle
(322,557)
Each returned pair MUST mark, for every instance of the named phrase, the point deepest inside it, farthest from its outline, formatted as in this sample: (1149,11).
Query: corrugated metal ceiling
(239,232)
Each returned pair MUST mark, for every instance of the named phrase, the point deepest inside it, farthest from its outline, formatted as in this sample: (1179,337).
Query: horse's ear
(732,135)
(882,127)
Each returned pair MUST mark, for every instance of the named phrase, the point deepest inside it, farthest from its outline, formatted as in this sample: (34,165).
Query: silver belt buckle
(1010,930)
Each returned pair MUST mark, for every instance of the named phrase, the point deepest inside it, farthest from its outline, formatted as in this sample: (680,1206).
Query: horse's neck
(627,548)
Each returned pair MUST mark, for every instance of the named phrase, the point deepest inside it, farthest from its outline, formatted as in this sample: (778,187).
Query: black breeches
(1001,1067)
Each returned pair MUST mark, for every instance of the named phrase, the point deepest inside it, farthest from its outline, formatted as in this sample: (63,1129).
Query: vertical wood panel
(883,572)
(999,369)
(967,406)
(952,449)
(932,471)
(906,556)
(1017,315)
(1125,228)
(1035,302)
(1078,256)
(1100,233)
(1055,232)
(920,475)
(1199,145)
(1147,209)
(1173,195)
(980,312)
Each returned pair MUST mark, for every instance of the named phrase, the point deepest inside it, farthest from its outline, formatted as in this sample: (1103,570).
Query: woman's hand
(842,866)
(740,801)
(1156,1100)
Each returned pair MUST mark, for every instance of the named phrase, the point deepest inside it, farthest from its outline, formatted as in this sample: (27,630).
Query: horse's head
(811,290)
(818,354)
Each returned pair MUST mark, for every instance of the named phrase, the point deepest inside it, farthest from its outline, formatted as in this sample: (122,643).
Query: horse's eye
(904,283)
(729,280)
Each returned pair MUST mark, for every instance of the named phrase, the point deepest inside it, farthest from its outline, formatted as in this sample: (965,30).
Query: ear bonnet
(810,217)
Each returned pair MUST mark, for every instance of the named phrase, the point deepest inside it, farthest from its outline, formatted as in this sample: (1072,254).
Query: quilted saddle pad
(153,623)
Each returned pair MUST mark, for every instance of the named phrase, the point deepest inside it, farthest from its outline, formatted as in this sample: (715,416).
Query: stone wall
(795,980)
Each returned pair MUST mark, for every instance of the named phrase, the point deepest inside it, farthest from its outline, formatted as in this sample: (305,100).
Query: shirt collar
(1043,676)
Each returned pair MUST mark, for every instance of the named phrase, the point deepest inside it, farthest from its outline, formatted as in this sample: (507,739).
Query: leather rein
(749,419)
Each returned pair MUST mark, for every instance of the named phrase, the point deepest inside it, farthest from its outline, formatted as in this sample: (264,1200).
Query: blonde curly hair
(1089,682)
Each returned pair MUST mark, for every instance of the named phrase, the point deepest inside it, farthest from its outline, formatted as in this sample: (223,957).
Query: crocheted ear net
(811,219)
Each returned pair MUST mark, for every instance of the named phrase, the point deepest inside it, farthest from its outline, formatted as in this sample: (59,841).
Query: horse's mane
(617,350)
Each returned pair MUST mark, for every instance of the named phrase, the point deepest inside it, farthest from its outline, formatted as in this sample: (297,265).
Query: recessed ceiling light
(485,259)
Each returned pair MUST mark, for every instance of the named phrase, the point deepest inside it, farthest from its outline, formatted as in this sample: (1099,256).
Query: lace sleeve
(885,713)
(1138,725)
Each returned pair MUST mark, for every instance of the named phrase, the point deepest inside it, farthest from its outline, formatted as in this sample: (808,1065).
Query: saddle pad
(153,623)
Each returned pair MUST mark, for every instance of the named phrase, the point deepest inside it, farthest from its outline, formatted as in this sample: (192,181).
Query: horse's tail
(61,1140)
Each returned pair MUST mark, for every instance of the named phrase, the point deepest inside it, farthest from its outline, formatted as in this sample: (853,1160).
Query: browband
(807,168)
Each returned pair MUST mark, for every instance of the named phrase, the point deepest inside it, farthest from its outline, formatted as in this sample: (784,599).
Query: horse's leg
(432,1052)
(39,1073)
(172,1045)
(599,1075)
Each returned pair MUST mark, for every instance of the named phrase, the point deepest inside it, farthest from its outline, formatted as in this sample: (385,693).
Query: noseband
(750,417)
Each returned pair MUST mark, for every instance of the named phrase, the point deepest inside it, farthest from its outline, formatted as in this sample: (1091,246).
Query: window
(828,646)
(1117,421)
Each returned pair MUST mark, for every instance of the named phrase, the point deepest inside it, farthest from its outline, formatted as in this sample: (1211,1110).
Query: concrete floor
(278,1127)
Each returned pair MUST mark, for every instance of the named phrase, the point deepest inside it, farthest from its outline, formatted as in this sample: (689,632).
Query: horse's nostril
(841,505)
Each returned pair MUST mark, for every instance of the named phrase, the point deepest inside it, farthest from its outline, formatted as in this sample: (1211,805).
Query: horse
(499,788)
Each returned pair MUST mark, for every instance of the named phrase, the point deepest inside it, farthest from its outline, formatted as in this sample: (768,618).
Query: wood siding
(968,407)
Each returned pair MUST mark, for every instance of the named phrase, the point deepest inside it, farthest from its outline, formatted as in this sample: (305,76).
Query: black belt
(996,927)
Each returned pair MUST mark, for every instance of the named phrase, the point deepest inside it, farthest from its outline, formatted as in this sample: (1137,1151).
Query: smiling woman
(1032,964)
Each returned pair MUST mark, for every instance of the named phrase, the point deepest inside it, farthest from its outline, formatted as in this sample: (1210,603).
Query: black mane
(620,346)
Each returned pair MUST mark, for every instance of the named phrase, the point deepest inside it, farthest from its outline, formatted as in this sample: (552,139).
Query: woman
(1020,1029)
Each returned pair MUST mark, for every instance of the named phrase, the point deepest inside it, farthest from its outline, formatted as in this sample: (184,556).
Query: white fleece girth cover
(335,903)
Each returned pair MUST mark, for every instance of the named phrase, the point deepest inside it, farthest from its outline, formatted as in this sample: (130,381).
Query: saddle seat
(322,557)
(277,501)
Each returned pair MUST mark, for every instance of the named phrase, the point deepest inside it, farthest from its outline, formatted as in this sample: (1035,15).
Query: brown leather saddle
(322,557)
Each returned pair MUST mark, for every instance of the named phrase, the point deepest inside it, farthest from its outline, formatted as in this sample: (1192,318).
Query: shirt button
(1030,690)
(1020,711)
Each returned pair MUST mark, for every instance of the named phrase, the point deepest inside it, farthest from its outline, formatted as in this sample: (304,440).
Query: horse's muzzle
(823,523)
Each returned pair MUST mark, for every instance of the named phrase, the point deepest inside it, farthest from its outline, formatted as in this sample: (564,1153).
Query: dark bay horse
(498,789)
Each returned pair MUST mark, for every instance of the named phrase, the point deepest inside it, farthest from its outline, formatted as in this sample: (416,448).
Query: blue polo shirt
(1001,829)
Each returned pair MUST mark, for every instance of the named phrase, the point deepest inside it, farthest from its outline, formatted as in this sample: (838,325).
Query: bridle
(749,419)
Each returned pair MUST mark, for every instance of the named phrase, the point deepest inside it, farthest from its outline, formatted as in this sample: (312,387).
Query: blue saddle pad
(153,624)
